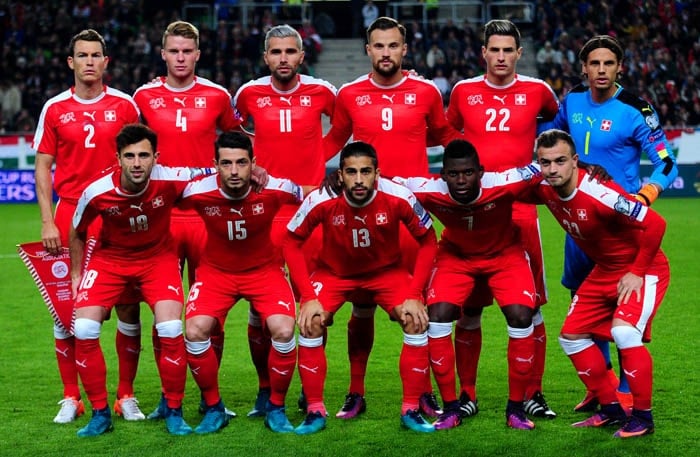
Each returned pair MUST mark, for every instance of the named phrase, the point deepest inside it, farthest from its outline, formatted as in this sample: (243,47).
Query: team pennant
(51,273)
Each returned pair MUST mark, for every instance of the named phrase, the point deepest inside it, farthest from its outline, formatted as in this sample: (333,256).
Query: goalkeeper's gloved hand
(647,194)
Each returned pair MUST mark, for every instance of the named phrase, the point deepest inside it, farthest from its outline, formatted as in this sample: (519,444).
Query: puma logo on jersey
(361,219)
(180,100)
(138,207)
(287,100)
(500,99)
(566,210)
(529,294)
(285,304)
(590,120)
(237,211)
(90,115)
(174,289)
(389,97)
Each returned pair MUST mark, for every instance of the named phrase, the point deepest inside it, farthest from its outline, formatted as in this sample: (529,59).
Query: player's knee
(571,346)
(626,336)
(282,330)
(439,329)
(470,322)
(87,329)
(364,311)
(128,313)
(284,346)
(197,347)
(443,312)
(254,319)
(518,316)
(169,329)
(60,333)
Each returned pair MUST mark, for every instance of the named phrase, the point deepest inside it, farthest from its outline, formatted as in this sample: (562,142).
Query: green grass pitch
(30,387)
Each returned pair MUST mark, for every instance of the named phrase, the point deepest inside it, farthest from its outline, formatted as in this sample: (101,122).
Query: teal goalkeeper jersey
(614,133)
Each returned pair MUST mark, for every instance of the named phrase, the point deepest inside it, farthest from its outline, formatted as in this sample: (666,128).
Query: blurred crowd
(661,39)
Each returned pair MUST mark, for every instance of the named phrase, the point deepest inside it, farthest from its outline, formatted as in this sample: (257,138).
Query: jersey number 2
(493,124)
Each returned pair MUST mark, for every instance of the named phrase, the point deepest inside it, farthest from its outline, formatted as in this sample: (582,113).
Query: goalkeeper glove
(647,194)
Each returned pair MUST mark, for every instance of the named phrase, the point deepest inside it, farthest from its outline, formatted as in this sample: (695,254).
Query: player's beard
(284,78)
(387,72)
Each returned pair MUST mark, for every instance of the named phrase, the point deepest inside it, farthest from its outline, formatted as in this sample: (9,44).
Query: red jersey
(134,226)
(393,119)
(186,119)
(238,230)
(289,119)
(80,135)
(483,227)
(358,241)
(501,121)
(611,227)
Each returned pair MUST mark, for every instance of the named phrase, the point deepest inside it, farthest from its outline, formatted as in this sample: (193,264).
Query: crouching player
(240,261)
(134,200)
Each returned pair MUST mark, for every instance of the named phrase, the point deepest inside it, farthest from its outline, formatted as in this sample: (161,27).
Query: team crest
(67,117)
(475,100)
(262,102)
(381,219)
(521,99)
(489,206)
(258,208)
(200,102)
(157,103)
(606,125)
(362,100)
(110,115)
(409,99)
(305,100)
(212,211)
(113,211)
(581,214)
(339,220)
(158,202)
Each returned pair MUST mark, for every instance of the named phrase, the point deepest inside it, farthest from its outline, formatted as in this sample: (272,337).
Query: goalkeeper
(611,126)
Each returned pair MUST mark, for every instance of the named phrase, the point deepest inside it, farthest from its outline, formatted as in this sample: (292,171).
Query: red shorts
(189,238)
(506,277)
(386,288)
(595,304)
(64,221)
(105,280)
(215,292)
(312,246)
(529,232)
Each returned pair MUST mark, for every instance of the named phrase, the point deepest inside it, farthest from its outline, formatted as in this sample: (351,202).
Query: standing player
(618,299)
(238,262)
(185,111)
(287,108)
(134,201)
(393,111)
(361,261)
(498,113)
(76,132)
(479,247)
(611,127)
